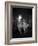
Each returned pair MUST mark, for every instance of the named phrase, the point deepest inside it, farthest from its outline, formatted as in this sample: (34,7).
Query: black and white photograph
(22,22)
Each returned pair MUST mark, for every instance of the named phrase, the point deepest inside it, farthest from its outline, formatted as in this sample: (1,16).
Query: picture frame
(8,22)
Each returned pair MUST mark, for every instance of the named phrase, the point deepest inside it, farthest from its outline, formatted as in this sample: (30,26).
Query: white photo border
(8,38)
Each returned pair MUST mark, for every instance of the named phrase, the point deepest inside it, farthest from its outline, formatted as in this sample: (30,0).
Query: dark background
(27,15)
